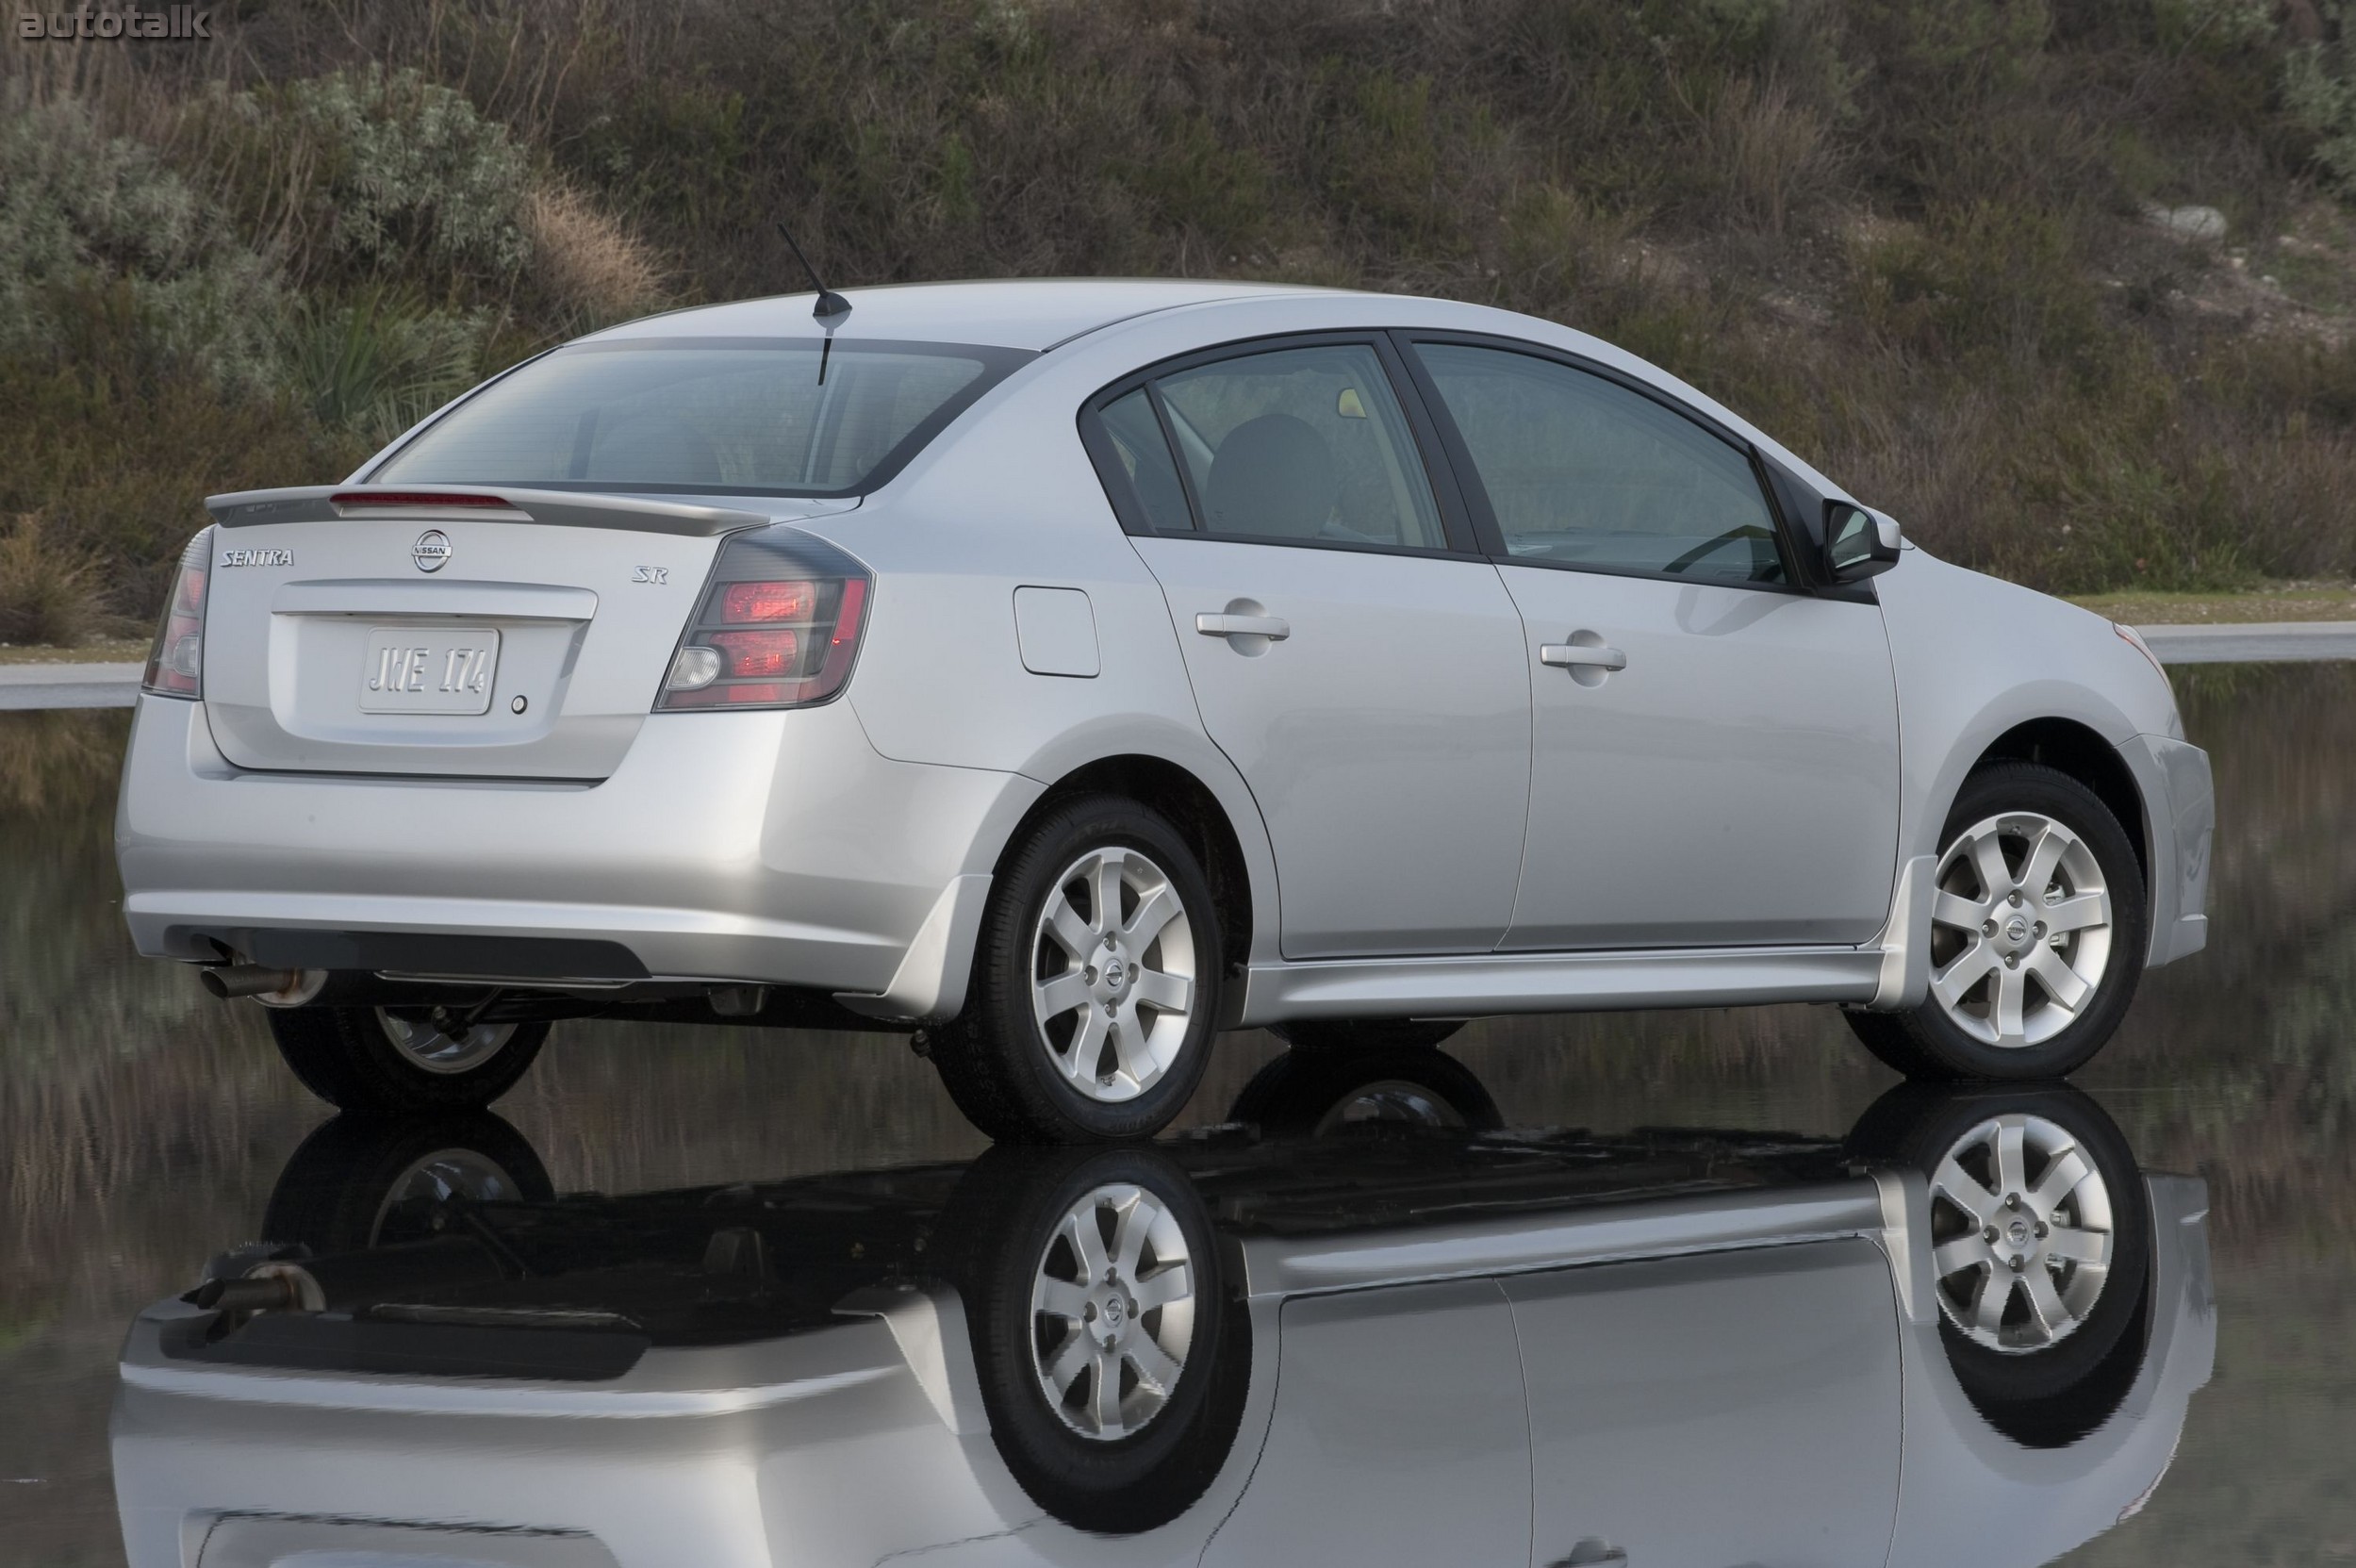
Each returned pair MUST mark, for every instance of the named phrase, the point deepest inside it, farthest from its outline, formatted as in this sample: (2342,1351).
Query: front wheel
(2038,926)
(404,1058)
(2040,1246)
(1095,982)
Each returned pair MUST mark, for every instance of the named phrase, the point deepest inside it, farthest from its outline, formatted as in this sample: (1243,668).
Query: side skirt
(1480,984)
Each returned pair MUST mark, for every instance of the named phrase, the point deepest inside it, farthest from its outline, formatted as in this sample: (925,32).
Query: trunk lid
(451,629)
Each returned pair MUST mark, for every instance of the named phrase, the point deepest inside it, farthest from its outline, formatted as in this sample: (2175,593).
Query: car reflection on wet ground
(1520,1326)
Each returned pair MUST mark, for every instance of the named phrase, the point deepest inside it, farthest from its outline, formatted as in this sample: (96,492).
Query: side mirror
(1857,543)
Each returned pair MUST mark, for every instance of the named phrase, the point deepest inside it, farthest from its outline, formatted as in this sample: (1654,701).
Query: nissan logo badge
(432,550)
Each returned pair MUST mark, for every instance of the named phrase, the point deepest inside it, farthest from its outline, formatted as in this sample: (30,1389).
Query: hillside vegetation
(1943,248)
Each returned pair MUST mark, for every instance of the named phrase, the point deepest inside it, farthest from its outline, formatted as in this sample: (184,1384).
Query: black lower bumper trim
(554,958)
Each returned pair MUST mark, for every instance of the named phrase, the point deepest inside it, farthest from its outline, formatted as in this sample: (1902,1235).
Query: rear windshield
(734,416)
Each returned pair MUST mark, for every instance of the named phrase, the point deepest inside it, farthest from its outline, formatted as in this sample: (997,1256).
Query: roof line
(1163,309)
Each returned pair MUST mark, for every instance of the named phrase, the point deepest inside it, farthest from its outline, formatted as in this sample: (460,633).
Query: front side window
(727,415)
(1581,471)
(1305,445)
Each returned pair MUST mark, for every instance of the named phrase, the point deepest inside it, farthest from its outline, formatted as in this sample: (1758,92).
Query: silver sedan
(1071,671)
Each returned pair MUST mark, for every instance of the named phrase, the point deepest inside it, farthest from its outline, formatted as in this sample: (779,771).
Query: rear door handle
(1577,656)
(1271,627)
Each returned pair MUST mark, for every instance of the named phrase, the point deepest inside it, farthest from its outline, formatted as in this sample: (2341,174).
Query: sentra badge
(257,558)
(432,550)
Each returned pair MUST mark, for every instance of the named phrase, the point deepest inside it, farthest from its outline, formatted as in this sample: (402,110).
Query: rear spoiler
(493,504)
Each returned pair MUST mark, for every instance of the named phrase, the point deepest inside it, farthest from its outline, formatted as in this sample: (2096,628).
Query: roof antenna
(829,303)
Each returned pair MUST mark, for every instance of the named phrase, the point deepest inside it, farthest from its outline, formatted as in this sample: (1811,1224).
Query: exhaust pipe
(274,987)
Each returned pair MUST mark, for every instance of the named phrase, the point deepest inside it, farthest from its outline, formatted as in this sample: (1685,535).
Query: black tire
(347,1057)
(1321,1093)
(998,1063)
(2062,1388)
(1366,1033)
(1925,1042)
(1010,1210)
(362,1182)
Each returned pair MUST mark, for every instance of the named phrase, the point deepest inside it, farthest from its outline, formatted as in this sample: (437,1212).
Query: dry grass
(49,588)
(1773,152)
(587,259)
(2272,602)
(103,651)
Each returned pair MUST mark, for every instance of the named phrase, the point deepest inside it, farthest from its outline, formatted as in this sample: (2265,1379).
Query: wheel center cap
(2018,1233)
(2017,930)
(1115,973)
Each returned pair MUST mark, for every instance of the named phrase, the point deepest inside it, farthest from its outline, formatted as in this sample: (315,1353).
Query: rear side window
(736,415)
(1302,444)
(1581,471)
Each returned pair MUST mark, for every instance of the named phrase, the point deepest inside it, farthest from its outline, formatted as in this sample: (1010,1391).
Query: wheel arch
(1193,808)
(2079,751)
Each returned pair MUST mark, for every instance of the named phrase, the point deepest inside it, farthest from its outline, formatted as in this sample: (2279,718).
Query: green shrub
(373,367)
(90,222)
(371,172)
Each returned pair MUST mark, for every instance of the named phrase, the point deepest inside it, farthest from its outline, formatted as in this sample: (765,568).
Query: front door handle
(1579,655)
(1272,627)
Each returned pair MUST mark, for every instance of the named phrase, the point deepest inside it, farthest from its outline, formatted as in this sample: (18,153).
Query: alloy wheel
(440,1045)
(441,1177)
(2021,932)
(1113,1313)
(1112,974)
(2022,1233)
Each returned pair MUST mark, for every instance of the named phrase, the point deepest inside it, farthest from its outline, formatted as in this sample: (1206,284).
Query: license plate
(413,670)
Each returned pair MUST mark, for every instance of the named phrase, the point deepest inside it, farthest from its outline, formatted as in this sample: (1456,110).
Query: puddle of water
(142,1124)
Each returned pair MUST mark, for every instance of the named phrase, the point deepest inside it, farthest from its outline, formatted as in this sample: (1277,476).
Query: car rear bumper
(773,846)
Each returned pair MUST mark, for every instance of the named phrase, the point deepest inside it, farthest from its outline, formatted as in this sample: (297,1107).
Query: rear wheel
(1111,1355)
(2038,927)
(1095,982)
(402,1058)
(1323,1094)
(358,1183)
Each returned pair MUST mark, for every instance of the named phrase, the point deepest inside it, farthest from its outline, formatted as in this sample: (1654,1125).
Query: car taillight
(777,625)
(176,666)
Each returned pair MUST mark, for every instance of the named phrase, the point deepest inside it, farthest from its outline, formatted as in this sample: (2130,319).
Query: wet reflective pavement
(1679,1288)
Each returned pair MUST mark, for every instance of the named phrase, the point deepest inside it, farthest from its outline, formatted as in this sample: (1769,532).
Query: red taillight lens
(777,628)
(741,603)
(758,655)
(176,666)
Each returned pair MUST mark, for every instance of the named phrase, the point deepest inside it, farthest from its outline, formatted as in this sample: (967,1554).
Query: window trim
(1448,501)
(1796,579)
(998,364)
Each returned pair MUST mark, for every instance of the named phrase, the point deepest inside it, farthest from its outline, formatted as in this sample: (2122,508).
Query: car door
(1359,665)
(1715,747)
(1398,1435)
(1732,1408)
